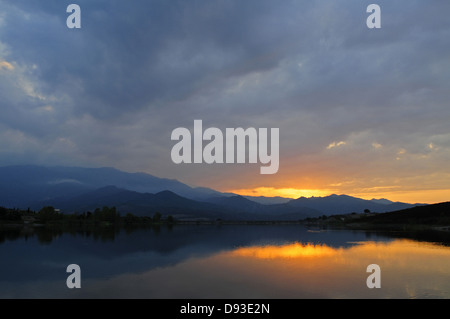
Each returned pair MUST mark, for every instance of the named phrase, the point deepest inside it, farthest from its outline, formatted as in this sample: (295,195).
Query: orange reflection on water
(388,251)
(409,269)
(286,251)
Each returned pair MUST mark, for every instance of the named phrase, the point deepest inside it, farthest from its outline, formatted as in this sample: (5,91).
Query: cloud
(376,145)
(336,144)
(4,65)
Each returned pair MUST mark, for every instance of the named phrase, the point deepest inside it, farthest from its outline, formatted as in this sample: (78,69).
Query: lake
(223,261)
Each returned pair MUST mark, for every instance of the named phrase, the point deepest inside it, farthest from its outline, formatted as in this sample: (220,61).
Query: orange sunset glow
(412,196)
(282,192)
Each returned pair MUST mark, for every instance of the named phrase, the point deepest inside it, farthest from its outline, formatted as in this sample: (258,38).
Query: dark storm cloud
(127,57)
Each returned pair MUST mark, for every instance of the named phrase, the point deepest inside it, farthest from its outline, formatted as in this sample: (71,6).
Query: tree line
(105,216)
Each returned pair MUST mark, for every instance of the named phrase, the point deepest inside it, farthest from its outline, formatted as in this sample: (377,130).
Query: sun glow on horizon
(406,196)
(281,192)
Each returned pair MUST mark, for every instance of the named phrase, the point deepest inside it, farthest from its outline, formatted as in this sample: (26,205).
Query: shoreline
(315,224)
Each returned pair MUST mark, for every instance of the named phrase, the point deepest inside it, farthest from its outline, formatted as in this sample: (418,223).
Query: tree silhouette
(157,217)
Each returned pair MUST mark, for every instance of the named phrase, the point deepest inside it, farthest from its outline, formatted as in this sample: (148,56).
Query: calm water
(285,261)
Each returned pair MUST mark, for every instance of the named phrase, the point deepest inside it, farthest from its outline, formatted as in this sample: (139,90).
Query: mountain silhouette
(169,203)
(28,185)
(78,189)
(344,204)
(140,204)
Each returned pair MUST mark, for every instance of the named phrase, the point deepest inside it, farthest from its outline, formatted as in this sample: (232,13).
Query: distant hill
(382,201)
(140,204)
(434,214)
(268,200)
(242,205)
(238,203)
(344,204)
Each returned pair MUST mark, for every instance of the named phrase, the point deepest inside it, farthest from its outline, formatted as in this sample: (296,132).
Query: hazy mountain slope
(141,204)
(343,204)
(24,186)
(268,200)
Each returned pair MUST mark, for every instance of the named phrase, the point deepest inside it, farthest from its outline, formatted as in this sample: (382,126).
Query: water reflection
(294,250)
(222,262)
(409,270)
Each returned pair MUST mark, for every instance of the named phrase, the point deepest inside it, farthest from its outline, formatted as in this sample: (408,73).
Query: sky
(360,111)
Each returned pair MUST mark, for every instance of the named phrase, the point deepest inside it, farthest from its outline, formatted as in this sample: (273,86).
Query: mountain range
(78,189)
